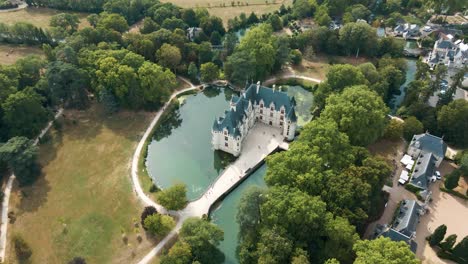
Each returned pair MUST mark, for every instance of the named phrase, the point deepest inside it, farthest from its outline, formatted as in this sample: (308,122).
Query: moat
(191,160)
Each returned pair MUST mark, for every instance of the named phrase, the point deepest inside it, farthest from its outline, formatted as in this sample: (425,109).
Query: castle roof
(428,143)
(254,94)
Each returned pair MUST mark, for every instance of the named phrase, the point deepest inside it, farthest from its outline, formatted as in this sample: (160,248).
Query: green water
(180,152)
(410,72)
(225,215)
(181,148)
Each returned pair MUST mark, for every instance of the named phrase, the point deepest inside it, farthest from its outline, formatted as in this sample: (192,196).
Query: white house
(256,104)
(448,51)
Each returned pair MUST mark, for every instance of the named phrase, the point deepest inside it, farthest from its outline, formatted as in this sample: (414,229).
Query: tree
(438,235)
(93,19)
(65,21)
(296,56)
(203,237)
(22,249)
(216,38)
(169,56)
(192,72)
(451,180)
(302,8)
(383,250)
(300,257)
(209,72)
(239,67)
(23,114)
(29,69)
(180,253)
(357,107)
(158,224)
(67,84)
(156,83)
(358,38)
(174,197)
(411,127)
(275,22)
(149,210)
(274,248)
(230,42)
(461,249)
(394,130)
(20,155)
(453,122)
(321,16)
(449,242)
(113,21)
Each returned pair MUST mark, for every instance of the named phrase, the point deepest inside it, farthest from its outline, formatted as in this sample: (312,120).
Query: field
(9,54)
(39,17)
(84,202)
(225,10)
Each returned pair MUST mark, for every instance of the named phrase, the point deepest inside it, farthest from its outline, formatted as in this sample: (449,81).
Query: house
(405,224)
(428,151)
(407,30)
(423,171)
(448,51)
(256,104)
(193,33)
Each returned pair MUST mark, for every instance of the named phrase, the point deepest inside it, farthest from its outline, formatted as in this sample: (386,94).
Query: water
(410,72)
(181,150)
(304,103)
(225,215)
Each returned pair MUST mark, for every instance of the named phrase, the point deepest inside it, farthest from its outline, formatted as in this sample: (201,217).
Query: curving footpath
(255,152)
(7,192)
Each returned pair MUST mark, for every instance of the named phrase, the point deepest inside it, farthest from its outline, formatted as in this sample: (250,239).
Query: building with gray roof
(427,143)
(257,103)
(405,224)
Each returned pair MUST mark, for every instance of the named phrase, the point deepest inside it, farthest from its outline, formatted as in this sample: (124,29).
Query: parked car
(437,175)
(427,29)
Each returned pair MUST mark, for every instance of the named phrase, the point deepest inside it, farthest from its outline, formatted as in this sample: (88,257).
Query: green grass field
(9,54)
(84,201)
(39,17)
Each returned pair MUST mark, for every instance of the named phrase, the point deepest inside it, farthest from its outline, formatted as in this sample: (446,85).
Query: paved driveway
(444,209)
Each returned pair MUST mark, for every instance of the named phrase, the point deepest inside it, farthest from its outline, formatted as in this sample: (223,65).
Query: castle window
(281,117)
(271,123)
(261,111)
(226,138)
(261,105)
(226,144)
(225,132)
(272,108)
(281,123)
(282,111)
(261,117)
(271,114)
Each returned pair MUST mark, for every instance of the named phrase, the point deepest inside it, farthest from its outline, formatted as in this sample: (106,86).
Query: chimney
(274,87)
(258,86)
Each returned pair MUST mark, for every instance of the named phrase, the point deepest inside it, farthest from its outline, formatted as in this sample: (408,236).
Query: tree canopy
(383,250)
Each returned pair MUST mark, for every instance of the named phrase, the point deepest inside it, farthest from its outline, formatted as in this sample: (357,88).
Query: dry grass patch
(9,54)
(225,10)
(40,17)
(84,202)
(315,69)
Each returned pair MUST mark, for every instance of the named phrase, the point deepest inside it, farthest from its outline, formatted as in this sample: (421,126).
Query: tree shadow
(32,197)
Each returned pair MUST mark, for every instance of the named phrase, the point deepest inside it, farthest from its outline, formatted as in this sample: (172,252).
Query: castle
(257,103)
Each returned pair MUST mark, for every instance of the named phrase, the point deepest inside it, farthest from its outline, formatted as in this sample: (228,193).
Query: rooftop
(254,94)
(428,143)
(423,171)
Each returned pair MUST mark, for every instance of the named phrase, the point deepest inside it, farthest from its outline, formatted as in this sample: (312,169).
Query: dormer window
(225,132)
(272,108)
(282,111)
(261,105)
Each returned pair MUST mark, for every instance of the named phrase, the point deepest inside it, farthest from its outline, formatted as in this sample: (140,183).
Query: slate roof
(233,118)
(428,143)
(408,217)
(445,44)
(424,170)
(397,236)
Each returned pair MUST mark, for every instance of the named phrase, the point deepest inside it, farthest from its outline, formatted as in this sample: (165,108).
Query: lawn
(9,54)
(84,201)
(317,68)
(225,10)
(39,17)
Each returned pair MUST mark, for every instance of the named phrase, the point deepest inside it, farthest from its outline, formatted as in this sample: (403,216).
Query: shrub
(438,235)
(296,56)
(159,225)
(451,180)
(149,210)
(22,249)
(449,242)
(173,198)
(77,260)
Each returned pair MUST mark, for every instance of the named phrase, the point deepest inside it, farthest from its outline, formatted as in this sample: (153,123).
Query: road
(7,192)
